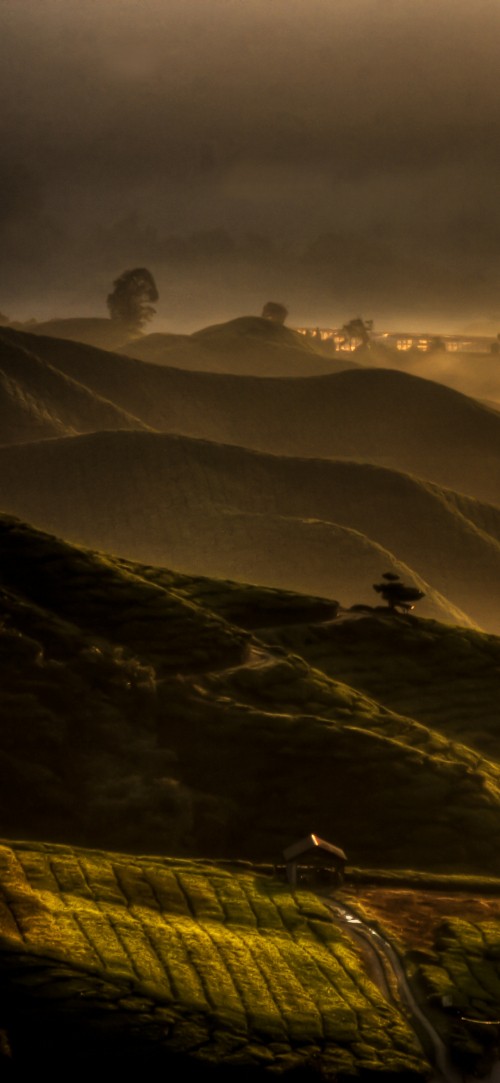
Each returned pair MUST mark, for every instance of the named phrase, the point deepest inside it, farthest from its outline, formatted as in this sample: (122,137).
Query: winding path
(391,979)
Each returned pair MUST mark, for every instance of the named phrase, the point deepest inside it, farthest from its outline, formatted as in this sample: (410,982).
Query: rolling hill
(247,346)
(385,417)
(217,510)
(94,331)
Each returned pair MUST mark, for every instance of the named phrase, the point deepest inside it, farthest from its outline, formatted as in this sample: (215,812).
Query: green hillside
(138,713)
(112,603)
(442,676)
(184,965)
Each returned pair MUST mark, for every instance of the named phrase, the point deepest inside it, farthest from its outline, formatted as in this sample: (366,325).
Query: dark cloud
(138,124)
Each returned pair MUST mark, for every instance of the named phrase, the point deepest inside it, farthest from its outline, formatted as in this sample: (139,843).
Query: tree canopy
(130,302)
(397,594)
(275,311)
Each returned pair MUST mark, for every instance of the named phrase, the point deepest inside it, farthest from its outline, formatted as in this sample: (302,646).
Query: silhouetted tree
(359,329)
(396,594)
(130,302)
(275,311)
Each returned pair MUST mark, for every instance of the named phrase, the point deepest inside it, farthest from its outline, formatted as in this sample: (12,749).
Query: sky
(340,156)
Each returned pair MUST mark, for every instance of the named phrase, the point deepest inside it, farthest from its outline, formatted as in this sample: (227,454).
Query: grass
(461,980)
(443,676)
(243,604)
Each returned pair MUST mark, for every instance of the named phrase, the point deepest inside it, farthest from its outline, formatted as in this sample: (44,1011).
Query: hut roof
(313,844)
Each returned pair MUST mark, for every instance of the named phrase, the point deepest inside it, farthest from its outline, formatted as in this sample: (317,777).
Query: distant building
(427,343)
(318,859)
(402,340)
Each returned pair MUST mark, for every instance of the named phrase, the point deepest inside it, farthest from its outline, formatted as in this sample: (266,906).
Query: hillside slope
(38,401)
(135,716)
(437,675)
(219,510)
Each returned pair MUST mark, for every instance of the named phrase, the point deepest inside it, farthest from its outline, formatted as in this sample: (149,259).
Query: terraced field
(162,958)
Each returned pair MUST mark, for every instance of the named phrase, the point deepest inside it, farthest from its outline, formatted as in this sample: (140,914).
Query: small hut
(320,861)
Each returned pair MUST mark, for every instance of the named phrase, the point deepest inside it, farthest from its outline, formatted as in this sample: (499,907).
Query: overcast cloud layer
(340,155)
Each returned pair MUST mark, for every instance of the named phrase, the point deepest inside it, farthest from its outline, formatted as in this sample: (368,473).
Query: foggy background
(342,157)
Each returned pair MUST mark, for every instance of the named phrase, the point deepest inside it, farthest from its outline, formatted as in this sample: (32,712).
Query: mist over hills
(378,416)
(474,374)
(250,345)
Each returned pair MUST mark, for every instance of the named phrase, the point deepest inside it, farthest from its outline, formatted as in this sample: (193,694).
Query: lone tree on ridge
(396,594)
(130,303)
(274,311)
